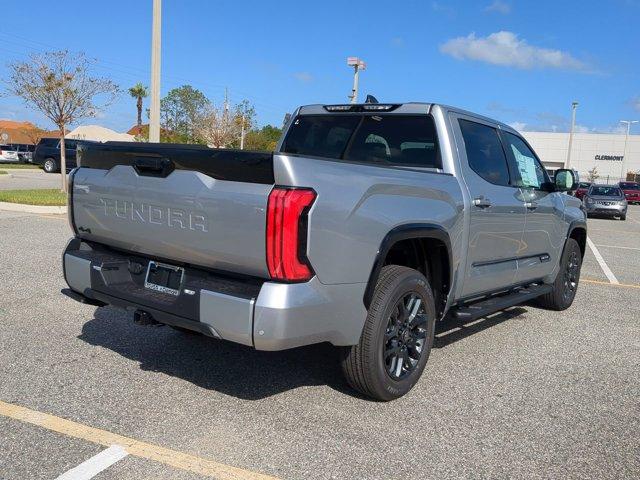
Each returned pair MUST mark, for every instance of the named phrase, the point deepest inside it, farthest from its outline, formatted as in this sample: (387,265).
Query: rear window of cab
(393,140)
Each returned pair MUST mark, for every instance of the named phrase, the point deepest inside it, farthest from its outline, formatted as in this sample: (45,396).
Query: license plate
(164,278)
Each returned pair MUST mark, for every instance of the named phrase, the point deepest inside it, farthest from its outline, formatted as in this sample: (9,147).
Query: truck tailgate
(186,216)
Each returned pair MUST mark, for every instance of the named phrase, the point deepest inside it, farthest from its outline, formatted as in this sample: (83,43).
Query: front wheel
(50,165)
(566,283)
(397,336)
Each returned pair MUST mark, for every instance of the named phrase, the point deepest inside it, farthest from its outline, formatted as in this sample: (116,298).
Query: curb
(6,175)
(21,207)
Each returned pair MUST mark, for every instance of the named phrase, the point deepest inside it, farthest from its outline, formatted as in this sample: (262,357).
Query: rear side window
(484,152)
(406,140)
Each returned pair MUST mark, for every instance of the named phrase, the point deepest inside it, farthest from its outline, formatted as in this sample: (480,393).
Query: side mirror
(565,180)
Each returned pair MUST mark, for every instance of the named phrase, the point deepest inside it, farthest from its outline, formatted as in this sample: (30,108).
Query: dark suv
(47,154)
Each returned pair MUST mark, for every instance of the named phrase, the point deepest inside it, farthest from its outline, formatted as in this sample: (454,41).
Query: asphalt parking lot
(19,179)
(523,394)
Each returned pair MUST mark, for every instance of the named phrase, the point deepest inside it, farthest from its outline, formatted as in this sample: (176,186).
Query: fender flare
(404,232)
(574,225)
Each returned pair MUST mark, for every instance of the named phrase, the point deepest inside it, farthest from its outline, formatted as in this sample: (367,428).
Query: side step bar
(491,305)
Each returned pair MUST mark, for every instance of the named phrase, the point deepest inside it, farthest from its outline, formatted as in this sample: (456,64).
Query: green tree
(61,86)
(265,138)
(139,91)
(180,111)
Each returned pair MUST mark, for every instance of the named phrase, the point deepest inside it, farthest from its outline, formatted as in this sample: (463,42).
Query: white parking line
(605,268)
(618,246)
(96,464)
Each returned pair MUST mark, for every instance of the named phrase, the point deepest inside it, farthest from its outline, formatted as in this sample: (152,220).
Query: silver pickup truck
(366,226)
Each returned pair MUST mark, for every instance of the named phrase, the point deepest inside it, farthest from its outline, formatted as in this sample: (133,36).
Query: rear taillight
(287,214)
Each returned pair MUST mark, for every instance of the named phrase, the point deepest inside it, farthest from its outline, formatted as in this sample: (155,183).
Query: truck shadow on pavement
(234,369)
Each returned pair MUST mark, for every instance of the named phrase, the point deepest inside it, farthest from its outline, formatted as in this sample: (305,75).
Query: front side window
(530,173)
(394,140)
(484,152)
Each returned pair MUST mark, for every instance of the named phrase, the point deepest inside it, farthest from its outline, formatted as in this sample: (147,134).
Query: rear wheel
(566,283)
(397,336)
(50,165)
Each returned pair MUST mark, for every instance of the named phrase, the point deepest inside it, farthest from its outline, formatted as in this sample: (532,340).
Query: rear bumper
(264,315)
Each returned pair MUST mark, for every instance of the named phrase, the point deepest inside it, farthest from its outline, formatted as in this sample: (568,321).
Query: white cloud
(498,7)
(519,126)
(506,49)
(442,8)
(397,41)
(303,76)
(635,103)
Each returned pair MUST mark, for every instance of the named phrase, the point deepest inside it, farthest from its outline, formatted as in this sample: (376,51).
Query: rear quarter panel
(357,205)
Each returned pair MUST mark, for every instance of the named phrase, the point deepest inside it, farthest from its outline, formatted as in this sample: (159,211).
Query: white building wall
(552,149)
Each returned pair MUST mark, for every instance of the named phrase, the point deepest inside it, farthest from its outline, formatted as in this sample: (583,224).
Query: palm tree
(139,91)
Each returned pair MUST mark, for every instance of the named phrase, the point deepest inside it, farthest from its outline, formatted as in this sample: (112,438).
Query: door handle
(531,205)
(482,202)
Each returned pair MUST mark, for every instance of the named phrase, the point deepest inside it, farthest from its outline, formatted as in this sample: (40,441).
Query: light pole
(357,65)
(154,108)
(623,175)
(574,106)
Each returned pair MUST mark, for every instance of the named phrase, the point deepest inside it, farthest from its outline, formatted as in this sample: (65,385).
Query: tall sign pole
(574,105)
(154,113)
(357,65)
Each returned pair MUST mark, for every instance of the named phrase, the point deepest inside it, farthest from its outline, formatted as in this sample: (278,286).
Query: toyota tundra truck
(367,225)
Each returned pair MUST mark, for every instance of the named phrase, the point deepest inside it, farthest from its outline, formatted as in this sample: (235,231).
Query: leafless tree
(593,174)
(217,127)
(61,86)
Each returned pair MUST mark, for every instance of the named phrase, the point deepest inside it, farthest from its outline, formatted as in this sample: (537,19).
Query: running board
(491,305)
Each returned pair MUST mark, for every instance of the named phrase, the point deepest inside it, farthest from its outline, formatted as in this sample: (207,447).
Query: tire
(565,285)
(623,217)
(371,367)
(50,165)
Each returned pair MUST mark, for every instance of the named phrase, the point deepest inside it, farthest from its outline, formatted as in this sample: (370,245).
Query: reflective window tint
(484,152)
(407,140)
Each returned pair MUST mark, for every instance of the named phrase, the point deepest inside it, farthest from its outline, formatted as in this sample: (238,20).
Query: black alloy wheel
(405,336)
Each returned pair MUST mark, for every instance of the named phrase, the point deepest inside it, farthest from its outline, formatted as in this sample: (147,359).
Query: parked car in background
(583,188)
(605,200)
(25,152)
(631,191)
(8,154)
(47,154)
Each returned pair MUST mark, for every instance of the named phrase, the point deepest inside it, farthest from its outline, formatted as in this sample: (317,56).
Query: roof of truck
(403,108)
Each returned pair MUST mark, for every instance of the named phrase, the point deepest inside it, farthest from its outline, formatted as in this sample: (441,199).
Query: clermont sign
(615,158)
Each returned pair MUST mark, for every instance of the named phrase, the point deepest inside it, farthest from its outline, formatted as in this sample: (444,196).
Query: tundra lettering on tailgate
(154,214)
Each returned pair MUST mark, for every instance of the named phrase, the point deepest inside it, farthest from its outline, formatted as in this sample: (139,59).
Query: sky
(521,62)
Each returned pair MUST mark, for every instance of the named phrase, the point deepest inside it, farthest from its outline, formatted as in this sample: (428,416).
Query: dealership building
(600,150)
